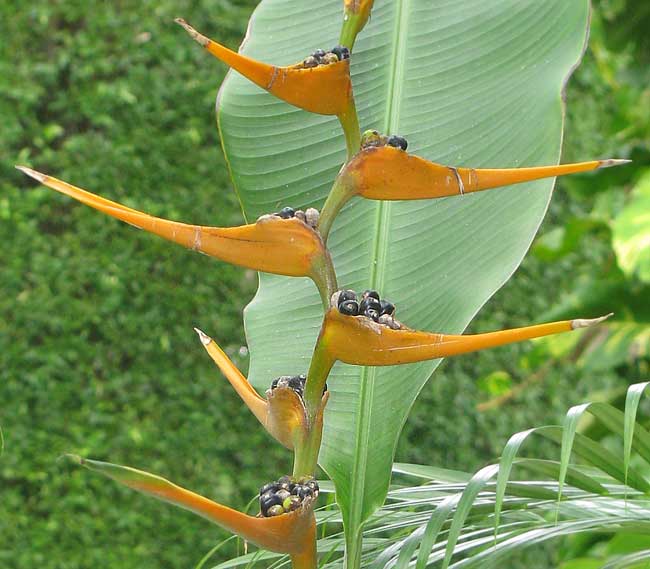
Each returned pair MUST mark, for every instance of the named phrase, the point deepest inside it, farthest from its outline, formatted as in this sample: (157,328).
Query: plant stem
(342,190)
(306,448)
(350,123)
(324,277)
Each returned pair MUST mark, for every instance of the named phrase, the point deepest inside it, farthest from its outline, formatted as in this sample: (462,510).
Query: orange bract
(358,340)
(282,414)
(292,532)
(273,245)
(388,173)
(325,90)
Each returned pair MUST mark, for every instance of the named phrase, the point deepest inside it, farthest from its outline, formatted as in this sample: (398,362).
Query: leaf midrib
(377,273)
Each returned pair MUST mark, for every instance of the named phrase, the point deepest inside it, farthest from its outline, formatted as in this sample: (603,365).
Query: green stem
(353,549)
(307,446)
(350,123)
(324,277)
(352,25)
(342,190)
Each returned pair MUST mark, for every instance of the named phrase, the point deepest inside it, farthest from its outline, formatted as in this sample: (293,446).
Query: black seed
(319,54)
(369,302)
(370,292)
(387,308)
(325,388)
(283,494)
(349,308)
(397,142)
(274,383)
(341,52)
(267,500)
(302,491)
(373,314)
(287,212)
(347,295)
(270,487)
(313,485)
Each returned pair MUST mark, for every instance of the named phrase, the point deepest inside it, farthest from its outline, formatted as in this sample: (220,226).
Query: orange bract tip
(281,246)
(325,89)
(588,322)
(32,173)
(205,339)
(611,162)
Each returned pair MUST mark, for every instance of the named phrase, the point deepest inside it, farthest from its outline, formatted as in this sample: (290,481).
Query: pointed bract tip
(587,322)
(205,339)
(32,173)
(196,36)
(610,163)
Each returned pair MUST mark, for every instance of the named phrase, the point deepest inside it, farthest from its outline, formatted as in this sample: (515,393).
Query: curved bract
(282,413)
(325,90)
(292,533)
(358,340)
(274,245)
(389,173)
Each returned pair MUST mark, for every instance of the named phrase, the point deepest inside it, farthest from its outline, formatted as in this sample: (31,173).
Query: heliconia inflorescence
(357,329)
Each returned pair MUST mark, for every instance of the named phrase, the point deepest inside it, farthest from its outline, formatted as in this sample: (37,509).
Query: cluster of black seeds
(309,216)
(322,57)
(372,138)
(295,382)
(286,495)
(370,305)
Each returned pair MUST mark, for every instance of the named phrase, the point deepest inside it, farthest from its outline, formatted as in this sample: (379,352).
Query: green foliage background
(97,352)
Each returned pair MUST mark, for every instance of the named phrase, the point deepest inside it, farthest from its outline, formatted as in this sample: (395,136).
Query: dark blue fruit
(302,491)
(371,293)
(372,314)
(387,308)
(397,142)
(287,212)
(369,302)
(349,308)
(270,487)
(347,295)
(267,500)
(341,52)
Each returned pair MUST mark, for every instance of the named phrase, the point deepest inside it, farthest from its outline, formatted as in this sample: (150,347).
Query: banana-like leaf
(470,83)
(458,520)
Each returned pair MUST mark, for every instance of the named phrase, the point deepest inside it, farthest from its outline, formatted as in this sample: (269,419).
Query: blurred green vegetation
(97,352)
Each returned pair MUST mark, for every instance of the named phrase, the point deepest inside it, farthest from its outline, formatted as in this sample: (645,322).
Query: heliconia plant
(298,240)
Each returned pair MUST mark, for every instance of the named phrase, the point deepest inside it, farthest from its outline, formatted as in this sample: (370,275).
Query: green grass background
(97,352)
